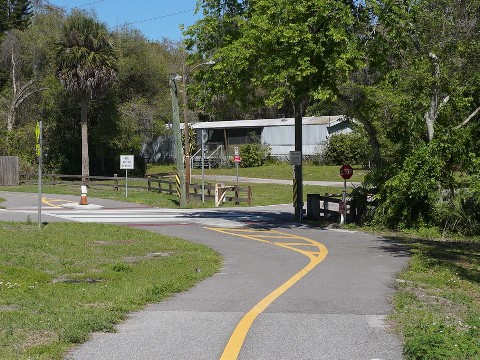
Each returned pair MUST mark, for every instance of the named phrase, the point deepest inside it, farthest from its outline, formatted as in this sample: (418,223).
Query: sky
(156,19)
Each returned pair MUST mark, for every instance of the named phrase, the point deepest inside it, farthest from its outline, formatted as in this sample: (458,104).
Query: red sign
(237,158)
(346,171)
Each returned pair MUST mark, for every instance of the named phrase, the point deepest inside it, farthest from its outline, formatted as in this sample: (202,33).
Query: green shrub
(409,198)
(351,148)
(461,213)
(362,205)
(254,154)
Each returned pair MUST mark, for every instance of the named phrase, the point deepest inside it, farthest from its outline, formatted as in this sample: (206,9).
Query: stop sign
(346,171)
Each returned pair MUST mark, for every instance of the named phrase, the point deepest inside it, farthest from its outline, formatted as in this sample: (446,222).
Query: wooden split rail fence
(162,184)
(318,206)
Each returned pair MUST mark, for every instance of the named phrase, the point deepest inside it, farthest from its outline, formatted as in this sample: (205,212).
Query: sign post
(38,151)
(204,141)
(126,162)
(346,172)
(237,159)
(296,161)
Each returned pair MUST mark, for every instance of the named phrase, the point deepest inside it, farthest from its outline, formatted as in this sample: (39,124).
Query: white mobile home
(279,134)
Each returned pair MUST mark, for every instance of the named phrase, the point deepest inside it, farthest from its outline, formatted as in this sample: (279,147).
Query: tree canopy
(15,14)
(288,51)
(125,115)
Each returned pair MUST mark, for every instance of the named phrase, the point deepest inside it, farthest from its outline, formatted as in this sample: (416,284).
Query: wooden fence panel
(165,184)
(9,174)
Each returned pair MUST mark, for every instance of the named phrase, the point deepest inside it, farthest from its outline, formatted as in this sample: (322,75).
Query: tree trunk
(19,96)
(84,129)
(372,137)
(435,105)
(354,107)
(11,112)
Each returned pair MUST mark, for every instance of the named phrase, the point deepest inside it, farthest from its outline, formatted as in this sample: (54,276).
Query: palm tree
(85,65)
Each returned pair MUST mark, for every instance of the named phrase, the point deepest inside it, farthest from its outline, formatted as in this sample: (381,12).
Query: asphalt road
(286,291)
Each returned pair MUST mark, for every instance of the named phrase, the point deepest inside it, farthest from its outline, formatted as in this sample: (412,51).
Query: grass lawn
(61,283)
(273,171)
(263,194)
(437,302)
(134,195)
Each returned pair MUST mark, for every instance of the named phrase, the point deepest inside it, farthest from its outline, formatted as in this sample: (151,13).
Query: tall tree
(294,50)
(85,65)
(418,93)
(22,88)
(15,14)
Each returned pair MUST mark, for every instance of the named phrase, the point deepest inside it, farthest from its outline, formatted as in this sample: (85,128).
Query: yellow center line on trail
(50,202)
(237,339)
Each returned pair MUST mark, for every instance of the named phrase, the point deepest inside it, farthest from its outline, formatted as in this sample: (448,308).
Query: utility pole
(178,138)
(186,130)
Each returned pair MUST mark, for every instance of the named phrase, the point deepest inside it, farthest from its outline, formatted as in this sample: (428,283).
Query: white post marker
(204,140)
(126,163)
(237,159)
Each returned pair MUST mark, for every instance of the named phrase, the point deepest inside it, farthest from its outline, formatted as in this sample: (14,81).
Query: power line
(135,22)
(117,26)
(80,6)
(158,17)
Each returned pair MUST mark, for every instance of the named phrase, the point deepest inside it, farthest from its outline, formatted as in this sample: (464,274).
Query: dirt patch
(39,338)
(67,280)
(115,242)
(134,259)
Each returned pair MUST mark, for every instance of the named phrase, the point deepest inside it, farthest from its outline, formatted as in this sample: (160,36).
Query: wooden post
(237,200)
(9,171)
(325,205)
(149,183)
(115,182)
(249,195)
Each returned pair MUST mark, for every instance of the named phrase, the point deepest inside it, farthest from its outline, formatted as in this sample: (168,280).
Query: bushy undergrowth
(461,214)
(408,199)
(254,154)
(426,192)
(351,148)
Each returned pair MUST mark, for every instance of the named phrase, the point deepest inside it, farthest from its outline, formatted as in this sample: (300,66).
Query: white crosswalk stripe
(226,217)
(134,216)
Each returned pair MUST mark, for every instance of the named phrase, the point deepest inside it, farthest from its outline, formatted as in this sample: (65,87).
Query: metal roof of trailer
(313,120)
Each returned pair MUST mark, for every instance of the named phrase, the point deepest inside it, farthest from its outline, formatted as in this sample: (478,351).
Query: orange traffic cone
(83,199)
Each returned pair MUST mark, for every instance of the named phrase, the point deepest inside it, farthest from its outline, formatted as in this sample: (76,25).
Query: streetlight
(186,127)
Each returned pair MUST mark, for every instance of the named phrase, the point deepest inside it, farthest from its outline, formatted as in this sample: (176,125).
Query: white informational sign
(126,162)
(295,158)
(236,150)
